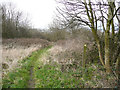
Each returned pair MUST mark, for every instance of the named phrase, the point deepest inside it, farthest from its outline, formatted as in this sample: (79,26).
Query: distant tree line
(14,25)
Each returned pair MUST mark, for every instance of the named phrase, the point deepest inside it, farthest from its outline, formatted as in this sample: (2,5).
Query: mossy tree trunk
(107,35)
(107,53)
(98,46)
(94,29)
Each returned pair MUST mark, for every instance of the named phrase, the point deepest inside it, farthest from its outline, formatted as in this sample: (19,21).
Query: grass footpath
(35,74)
(19,78)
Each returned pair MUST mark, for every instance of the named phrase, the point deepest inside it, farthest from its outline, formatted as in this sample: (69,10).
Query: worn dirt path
(31,82)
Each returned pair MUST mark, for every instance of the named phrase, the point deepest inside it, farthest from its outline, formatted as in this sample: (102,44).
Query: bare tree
(14,25)
(91,14)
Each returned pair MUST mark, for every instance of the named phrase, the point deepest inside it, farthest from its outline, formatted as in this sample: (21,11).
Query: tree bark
(94,31)
(107,47)
(107,53)
(107,36)
(98,46)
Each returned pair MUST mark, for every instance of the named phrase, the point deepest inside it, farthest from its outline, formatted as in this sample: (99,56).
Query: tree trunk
(107,52)
(112,45)
(107,35)
(100,52)
(98,46)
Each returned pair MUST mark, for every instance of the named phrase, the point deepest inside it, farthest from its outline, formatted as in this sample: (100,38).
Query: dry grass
(64,50)
(14,50)
(69,52)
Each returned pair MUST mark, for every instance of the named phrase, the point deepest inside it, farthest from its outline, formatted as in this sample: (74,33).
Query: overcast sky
(41,12)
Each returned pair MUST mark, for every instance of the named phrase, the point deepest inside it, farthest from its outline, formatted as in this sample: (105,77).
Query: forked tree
(91,13)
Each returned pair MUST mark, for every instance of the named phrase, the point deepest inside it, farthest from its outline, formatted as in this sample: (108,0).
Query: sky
(40,12)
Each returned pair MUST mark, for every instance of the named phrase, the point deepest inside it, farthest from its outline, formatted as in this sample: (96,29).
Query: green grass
(20,76)
(50,75)
(46,76)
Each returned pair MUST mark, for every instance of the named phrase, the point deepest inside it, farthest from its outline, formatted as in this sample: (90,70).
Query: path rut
(31,82)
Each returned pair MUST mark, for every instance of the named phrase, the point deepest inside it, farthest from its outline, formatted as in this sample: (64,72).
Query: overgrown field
(59,66)
(14,50)
(19,78)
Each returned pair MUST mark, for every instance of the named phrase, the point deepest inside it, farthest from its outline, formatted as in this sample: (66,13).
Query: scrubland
(27,63)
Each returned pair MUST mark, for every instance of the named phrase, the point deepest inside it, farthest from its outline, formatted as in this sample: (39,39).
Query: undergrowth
(51,76)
